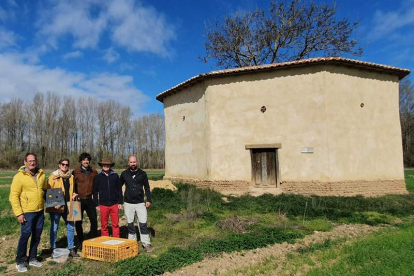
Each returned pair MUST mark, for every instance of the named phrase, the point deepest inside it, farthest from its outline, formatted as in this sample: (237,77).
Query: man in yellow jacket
(27,201)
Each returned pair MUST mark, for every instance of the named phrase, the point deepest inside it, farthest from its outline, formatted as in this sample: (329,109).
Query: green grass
(409,180)
(188,222)
(390,252)
(4,200)
(176,257)
(6,181)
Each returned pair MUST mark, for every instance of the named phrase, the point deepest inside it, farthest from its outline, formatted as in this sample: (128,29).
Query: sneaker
(21,268)
(73,254)
(35,263)
(132,237)
(149,248)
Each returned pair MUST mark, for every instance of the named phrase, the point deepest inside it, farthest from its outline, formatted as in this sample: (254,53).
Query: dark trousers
(88,206)
(33,226)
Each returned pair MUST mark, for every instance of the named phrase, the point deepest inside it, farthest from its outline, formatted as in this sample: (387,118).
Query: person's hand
(57,207)
(119,206)
(98,209)
(21,219)
(74,196)
(147,204)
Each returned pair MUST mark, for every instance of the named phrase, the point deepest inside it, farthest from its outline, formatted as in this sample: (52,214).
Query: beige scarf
(66,175)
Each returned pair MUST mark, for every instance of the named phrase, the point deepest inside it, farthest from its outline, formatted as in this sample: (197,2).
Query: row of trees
(54,127)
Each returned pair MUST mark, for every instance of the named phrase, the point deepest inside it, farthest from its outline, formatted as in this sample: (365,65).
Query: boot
(73,254)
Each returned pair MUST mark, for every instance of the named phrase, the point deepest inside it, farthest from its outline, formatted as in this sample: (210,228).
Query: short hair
(27,155)
(85,155)
(63,159)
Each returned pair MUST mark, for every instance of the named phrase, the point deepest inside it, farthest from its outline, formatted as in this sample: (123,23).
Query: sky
(132,50)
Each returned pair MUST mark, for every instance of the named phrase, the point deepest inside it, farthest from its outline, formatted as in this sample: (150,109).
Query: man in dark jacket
(136,181)
(84,176)
(107,195)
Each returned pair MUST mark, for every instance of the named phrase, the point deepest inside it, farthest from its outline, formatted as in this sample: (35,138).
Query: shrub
(260,237)
(372,218)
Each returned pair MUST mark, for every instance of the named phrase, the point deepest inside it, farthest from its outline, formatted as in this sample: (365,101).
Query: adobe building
(320,126)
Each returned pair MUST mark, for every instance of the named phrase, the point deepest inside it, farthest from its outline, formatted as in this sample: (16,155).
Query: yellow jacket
(54,182)
(25,194)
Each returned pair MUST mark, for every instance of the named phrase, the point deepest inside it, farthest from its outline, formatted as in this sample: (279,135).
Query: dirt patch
(164,184)
(229,262)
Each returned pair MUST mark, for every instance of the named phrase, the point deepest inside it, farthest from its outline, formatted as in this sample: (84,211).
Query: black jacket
(107,190)
(135,183)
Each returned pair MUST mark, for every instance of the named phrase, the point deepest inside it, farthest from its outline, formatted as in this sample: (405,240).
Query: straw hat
(106,161)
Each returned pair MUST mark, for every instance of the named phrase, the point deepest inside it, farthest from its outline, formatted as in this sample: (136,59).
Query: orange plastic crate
(109,249)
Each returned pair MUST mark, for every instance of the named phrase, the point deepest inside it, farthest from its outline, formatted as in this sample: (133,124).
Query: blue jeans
(70,226)
(33,226)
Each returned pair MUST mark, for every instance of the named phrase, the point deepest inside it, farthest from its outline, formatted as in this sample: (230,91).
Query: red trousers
(107,211)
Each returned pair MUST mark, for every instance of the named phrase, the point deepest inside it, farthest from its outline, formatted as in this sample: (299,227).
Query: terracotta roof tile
(401,73)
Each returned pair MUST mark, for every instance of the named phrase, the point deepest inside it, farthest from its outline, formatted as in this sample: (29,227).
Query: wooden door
(264,167)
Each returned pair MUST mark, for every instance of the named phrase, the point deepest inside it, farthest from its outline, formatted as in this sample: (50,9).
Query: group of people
(96,191)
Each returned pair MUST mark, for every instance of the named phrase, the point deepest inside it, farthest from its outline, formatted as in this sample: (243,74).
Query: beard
(133,167)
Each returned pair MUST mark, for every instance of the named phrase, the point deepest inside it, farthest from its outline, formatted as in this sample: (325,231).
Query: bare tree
(407,120)
(85,118)
(14,124)
(67,127)
(290,30)
(35,110)
(50,127)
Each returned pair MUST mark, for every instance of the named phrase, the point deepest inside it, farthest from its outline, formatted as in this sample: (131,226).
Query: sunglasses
(65,164)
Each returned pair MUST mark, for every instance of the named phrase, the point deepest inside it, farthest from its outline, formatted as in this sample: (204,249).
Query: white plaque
(307,150)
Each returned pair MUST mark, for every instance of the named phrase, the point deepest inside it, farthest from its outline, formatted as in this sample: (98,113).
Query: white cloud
(75,54)
(139,28)
(73,18)
(385,23)
(21,80)
(130,24)
(7,38)
(111,55)
(126,67)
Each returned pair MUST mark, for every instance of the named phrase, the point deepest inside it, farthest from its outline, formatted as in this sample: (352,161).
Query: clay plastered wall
(295,117)
(186,146)
(316,107)
(364,142)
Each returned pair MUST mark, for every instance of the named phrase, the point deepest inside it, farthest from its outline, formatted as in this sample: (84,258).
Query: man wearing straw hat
(107,195)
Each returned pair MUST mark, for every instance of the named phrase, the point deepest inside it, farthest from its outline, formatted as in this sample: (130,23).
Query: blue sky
(131,50)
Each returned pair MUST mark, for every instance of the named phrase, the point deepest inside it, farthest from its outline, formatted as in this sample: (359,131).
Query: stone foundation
(346,188)
(217,185)
(308,188)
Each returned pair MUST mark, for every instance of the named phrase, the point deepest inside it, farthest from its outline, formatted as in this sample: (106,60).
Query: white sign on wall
(307,150)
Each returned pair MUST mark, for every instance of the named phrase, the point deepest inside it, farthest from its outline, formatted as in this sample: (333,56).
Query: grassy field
(191,223)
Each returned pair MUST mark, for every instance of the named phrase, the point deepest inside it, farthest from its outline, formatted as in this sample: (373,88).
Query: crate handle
(127,247)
